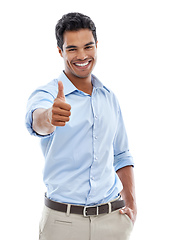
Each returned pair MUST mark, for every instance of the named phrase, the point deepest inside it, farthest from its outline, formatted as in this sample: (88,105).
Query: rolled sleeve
(122,160)
(40,98)
(122,155)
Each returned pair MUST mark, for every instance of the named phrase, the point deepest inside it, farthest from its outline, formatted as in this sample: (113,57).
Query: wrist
(48,116)
(130,203)
(41,123)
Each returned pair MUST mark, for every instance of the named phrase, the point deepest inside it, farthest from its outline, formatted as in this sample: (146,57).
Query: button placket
(95,154)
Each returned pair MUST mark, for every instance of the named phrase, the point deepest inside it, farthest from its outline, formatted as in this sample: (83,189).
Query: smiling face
(79,53)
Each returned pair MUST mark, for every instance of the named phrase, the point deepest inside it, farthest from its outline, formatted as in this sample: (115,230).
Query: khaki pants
(56,225)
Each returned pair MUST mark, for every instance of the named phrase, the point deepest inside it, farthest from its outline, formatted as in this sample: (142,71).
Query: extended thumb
(61,94)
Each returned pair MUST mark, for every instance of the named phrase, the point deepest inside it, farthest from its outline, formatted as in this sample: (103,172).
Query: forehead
(78,38)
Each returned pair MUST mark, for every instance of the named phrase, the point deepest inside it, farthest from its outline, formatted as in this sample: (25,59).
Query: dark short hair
(73,22)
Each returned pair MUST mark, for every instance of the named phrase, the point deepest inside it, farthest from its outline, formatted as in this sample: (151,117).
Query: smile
(82,64)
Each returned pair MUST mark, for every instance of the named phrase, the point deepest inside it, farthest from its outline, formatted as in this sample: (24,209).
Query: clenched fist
(59,113)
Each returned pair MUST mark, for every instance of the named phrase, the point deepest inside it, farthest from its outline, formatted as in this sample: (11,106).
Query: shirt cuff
(122,160)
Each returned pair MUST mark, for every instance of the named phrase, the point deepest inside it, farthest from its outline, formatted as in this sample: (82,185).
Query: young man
(88,167)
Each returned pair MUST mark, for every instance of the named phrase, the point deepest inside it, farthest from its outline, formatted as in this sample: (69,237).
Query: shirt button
(95,137)
(92,178)
(96,117)
(96,158)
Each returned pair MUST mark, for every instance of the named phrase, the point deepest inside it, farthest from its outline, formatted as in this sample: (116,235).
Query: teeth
(81,64)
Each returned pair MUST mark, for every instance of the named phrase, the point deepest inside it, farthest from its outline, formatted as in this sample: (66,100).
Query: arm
(46,120)
(126,176)
(41,121)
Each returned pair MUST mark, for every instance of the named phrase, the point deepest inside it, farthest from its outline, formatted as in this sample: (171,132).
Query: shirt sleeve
(43,97)
(122,155)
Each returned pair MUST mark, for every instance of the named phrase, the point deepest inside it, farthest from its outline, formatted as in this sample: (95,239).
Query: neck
(82,84)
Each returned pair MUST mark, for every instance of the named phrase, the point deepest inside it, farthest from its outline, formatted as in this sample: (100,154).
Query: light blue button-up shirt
(81,159)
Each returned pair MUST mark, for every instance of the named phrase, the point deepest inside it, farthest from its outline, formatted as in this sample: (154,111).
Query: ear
(96,44)
(60,51)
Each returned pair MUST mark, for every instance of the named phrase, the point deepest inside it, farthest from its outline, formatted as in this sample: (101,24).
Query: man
(88,167)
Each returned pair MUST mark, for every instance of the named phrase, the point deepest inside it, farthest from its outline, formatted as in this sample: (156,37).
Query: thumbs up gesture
(60,111)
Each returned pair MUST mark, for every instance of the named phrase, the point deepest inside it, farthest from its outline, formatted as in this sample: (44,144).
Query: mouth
(82,65)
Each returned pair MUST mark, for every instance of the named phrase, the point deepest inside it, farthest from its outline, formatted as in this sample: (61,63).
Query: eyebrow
(90,43)
(73,46)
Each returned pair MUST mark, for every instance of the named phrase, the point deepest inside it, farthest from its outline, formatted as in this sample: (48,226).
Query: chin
(82,74)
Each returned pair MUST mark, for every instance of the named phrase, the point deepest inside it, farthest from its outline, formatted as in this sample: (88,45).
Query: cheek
(67,57)
(68,62)
(94,54)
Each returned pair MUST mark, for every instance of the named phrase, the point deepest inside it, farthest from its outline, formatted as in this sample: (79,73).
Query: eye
(89,47)
(72,50)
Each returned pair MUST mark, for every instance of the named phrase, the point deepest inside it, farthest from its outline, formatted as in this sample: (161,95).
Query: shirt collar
(97,84)
(69,86)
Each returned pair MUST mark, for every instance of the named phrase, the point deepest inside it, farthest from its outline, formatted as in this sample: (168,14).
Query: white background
(142,58)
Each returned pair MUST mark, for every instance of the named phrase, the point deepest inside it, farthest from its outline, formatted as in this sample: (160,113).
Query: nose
(81,55)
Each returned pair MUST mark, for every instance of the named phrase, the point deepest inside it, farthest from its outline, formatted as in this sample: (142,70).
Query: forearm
(41,123)
(126,176)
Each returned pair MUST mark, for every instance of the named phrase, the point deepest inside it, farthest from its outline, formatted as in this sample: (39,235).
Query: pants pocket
(129,220)
(43,221)
(61,222)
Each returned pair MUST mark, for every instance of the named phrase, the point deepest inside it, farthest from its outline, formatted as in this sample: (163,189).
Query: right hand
(60,111)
